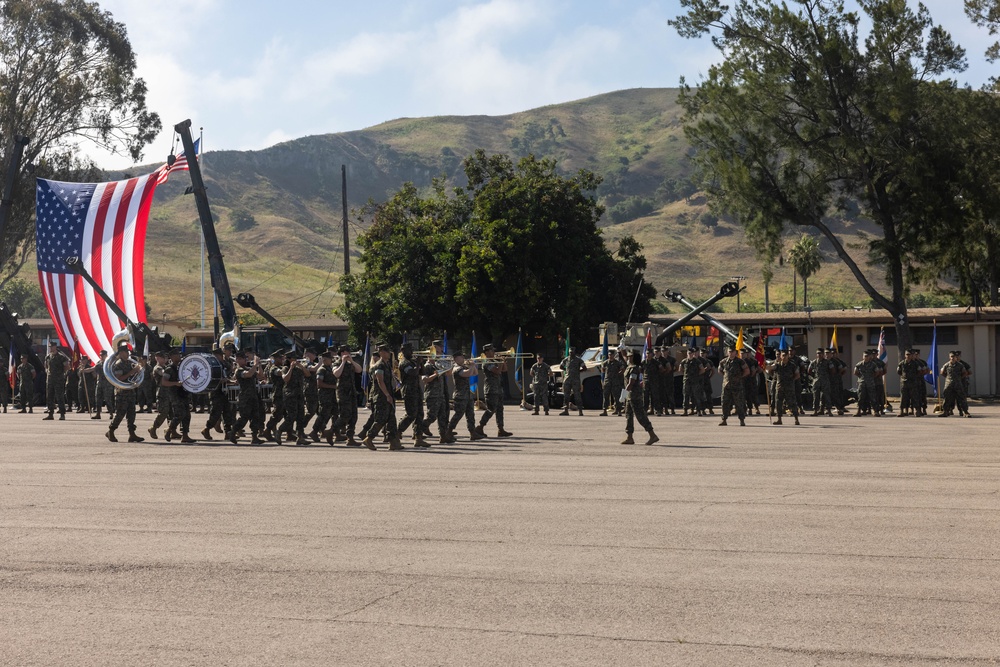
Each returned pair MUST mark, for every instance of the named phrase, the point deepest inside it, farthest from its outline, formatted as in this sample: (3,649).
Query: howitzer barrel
(729,333)
(727,290)
(246,300)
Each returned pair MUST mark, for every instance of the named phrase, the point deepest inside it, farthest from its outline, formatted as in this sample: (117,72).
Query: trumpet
(505,355)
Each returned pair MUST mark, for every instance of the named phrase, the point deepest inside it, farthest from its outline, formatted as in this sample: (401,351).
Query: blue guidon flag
(104,224)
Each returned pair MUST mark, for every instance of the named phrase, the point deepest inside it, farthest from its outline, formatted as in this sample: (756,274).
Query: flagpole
(201,140)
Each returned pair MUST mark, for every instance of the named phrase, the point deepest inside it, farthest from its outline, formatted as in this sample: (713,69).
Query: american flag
(180,164)
(104,224)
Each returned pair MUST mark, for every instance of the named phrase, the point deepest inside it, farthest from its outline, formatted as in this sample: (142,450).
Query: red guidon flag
(104,224)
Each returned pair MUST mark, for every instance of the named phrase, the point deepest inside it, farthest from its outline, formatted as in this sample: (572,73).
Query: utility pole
(343,197)
(739,281)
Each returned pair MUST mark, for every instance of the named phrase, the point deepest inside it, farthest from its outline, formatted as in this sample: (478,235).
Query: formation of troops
(316,397)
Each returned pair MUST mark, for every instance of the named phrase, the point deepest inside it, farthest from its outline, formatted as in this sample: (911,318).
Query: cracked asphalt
(841,542)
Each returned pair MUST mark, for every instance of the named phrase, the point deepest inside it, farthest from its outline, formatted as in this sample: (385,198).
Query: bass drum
(201,372)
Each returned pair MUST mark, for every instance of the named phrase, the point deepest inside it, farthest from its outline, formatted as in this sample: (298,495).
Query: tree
(242,219)
(805,260)
(806,113)
(986,14)
(24,298)
(67,72)
(518,246)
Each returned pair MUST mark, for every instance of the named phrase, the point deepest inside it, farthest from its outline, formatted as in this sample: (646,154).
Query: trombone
(442,362)
(505,355)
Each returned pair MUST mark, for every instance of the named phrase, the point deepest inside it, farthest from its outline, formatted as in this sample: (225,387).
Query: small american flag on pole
(104,224)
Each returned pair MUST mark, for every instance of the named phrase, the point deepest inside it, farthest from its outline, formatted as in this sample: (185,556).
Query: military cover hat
(489,347)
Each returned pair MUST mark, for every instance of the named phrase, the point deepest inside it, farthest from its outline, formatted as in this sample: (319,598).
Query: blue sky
(254,73)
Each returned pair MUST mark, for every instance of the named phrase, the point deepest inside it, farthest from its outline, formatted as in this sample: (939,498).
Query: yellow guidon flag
(739,341)
(833,338)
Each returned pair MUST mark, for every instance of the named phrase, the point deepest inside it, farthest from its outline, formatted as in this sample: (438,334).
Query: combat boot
(187,440)
(652,437)
(132,437)
(501,433)
(444,438)
(418,440)
(301,441)
(314,436)
(742,422)
(342,437)
(581,412)
(206,433)
(62,416)
(351,442)
(232,437)
(328,436)
(395,445)
(723,422)
(48,417)
(367,442)
(534,413)
(110,435)
(152,433)
(564,413)
(473,435)
(480,432)
(777,422)
(796,418)
(628,439)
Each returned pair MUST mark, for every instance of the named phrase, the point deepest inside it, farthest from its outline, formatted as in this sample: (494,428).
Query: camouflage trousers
(734,400)
(413,405)
(180,414)
(822,396)
(463,408)
(435,412)
(383,416)
(785,398)
(541,399)
(954,394)
(277,411)
(867,398)
(295,414)
(693,394)
(219,410)
(909,397)
(250,413)
(312,405)
(347,413)
(162,409)
(634,409)
(571,394)
(124,409)
(55,393)
(494,406)
(4,391)
(652,397)
(326,411)
(612,397)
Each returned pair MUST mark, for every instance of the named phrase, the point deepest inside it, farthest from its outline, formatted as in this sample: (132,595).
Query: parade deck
(841,542)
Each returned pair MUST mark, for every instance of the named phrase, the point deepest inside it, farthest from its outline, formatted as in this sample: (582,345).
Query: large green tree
(518,246)
(807,111)
(67,73)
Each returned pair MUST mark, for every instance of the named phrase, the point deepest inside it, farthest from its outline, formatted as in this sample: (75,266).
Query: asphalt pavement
(843,541)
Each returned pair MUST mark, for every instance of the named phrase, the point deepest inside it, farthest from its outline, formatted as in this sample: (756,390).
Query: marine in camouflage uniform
(219,411)
(162,397)
(966,379)
(651,382)
(734,371)
(180,411)
(540,373)
(572,367)
(55,382)
(125,399)
(820,369)
(295,410)
(492,392)
(435,399)
(925,372)
(865,370)
(326,399)
(785,371)
(954,389)
(347,396)
(667,367)
(26,384)
(275,376)
(880,370)
(692,371)
(911,380)
(635,408)
(413,403)
(105,390)
(462,396)
(249,406)
(706,381)
(838,369)
(311,391)
(383,401)
(613,383)
(145,395)
(72,386)
(751,382)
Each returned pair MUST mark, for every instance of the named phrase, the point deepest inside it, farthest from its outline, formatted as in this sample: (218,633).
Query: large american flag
(104,224)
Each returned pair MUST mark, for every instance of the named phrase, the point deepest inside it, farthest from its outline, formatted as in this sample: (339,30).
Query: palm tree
(805,259)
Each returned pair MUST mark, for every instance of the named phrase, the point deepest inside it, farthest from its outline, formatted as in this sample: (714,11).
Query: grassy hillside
(293,256)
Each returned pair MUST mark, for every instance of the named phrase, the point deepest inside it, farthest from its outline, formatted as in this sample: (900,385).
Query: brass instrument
(121,337)
(442,362)
(506,355)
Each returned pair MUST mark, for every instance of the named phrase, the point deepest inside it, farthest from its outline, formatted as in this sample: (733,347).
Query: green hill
(291,258)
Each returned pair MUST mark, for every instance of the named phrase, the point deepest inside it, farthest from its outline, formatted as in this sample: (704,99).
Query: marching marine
(124,371)
(493,392)
(634,402)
